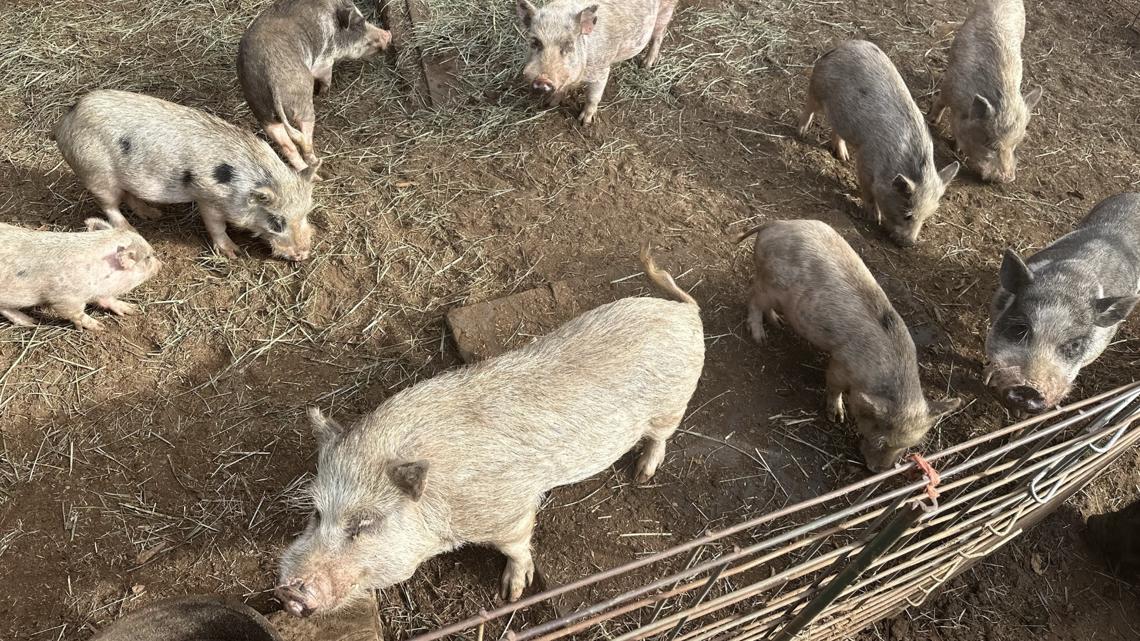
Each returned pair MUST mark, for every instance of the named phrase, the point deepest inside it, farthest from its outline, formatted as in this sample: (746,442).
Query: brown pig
(67,270)
(291,45)
(807,275)
(466,457)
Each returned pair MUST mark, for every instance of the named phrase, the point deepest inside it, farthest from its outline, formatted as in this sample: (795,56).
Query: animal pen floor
(164,456)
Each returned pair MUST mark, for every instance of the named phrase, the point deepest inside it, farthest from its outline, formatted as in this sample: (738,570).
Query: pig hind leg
(653,452)
(519,573)
(141,208)
(760,308)
(276,132)
(811,108)
(310,156)
(75,311)
(110,197)
(18,318)
(664,16)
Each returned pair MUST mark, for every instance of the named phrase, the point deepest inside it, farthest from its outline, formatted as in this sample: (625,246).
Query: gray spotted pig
(291,45)
(66,271)
(573,43)
(129,147)
(982,87)
(467,456)
(807,275)
(868,105)
(1057,312)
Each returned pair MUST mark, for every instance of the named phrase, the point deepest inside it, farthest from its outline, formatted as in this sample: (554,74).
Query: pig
(573,43)
(982,86)
(1116,536)
(67,270)
(1057,312)
(127,146)
(289,47)
(466,457)
(867,103)
(807,275)
(191,618)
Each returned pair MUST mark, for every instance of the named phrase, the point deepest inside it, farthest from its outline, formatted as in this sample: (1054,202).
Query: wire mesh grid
(825,568)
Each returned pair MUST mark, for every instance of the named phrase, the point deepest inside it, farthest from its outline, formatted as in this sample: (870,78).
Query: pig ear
(947,173)
(588,18)
(903,185)
(97,224)
(126,257)
(526,12)
(262,196)
(1033,97)
(1014,274)
(348,17)
(1112,310)
(981,109)
(878,405)
(938,409)
(326,429)
(409,477)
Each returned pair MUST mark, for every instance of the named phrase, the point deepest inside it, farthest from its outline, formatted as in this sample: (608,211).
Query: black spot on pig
(187,178)
(887,321)
(223,173)
(125,145)
(23,273)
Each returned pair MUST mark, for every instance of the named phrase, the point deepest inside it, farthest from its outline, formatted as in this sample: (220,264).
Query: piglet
(807,275)
(868,105)
(291,45)
(127,146)
(67,270)
(573,43)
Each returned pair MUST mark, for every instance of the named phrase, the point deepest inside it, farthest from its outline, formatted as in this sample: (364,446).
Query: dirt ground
(165,456)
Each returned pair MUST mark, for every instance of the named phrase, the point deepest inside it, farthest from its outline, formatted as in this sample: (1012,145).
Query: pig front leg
(840,146)
(323,78)
(836,386)
(519,572)
(18,318)
(867,193)
(216,227)
(938,108)
(594,90)
(116,306)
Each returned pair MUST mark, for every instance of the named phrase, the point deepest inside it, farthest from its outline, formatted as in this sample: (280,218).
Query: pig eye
(567,47)
(276,224)
(1072,349)
(1018,331)
(908,216)
(362,525)
(536,43)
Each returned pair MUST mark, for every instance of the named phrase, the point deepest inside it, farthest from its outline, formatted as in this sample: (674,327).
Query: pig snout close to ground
(289,47)
(573,43)
(807,275)
(65,271)
(1057,312)
(129,147)
(466,457)
(869,108)
(982,88)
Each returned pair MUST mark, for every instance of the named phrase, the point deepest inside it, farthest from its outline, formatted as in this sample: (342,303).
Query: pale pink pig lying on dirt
(573,43)
(466,457)
(67,270)
(807,275)
(291,45)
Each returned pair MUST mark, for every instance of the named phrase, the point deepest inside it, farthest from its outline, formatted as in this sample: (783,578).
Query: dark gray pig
(982,87)
(466,457)
(291,45)
(573,43)
(66,271)
(807,275)
(129,147)
(867,104)
(1058,311)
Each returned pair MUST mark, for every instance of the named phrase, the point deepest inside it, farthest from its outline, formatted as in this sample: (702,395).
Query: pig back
(1108,239)
(553,412)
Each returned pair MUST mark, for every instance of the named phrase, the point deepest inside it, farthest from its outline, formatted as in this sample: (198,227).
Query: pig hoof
(88,323)
(516,578)
(756,325)
(835,409)
(587,117)
(117,307)
(229,250)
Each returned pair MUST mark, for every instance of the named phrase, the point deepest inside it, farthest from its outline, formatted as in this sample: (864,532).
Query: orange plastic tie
(932,479)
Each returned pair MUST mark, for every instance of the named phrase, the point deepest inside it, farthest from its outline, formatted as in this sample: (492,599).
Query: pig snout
(1026,399)
(296,597)
(379,38)
(543,84)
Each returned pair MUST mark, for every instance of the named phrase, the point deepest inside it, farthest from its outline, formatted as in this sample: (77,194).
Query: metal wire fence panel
(825,568)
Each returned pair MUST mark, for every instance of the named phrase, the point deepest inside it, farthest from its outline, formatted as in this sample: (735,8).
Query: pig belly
(637,46)
(155,189)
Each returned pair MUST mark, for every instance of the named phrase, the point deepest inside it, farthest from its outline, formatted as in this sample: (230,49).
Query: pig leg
(307,132)
(594,90)
(116,306)
(811,107)
(867,192)
(664,15)
(520,564)
(939,108)
(74,311)
(216,226)
(110,197)
(760,308)
(836,386)
(18,318)
(840,146)
(141,208)
(660,429)
(276,132)
(323,79)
